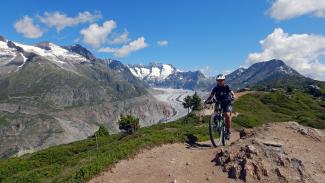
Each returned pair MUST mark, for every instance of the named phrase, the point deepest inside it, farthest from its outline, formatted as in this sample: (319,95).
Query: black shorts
(226,107)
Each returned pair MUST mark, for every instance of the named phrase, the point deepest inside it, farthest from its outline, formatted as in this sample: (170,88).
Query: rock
(303,131)
(265,172)
(280,175)
(244,133)
(209,178)
(251,149)
(187,163)
(232,172)
(221,152)
(231,157)
(221,160)
(248,172)
(175,181)
(272,143)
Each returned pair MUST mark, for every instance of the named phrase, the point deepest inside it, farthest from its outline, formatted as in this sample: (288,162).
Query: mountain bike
(217,127)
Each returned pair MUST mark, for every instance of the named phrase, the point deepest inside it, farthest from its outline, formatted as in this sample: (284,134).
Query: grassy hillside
(298,82)
(256,109)
(79,161)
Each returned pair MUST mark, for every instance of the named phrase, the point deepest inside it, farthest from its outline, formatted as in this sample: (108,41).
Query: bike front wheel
(216,130)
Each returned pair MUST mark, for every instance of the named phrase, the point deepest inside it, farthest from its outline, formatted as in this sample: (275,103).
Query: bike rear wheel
(216,130)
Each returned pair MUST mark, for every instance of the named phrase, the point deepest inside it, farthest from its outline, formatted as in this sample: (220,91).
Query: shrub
(187,103)
(129,124)
(196,102)
(102,131)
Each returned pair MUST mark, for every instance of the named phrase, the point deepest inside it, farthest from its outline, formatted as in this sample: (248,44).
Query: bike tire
(216,131)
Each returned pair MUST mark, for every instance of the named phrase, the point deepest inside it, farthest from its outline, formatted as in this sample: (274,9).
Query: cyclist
(222,94)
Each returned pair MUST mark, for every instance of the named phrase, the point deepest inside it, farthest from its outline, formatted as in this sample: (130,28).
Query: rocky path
(168,163)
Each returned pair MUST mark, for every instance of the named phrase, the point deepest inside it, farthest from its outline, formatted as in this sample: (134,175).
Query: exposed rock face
(81,51)
(256,158)
(26,129)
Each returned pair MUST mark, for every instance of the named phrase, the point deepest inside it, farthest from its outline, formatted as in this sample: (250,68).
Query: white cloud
(120,39)
(302,52)
(162,43)
(287,9)
(96,35)
(133,46)
(60,20)
(28,28)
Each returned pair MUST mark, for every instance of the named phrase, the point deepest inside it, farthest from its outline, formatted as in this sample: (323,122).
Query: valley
(174,98)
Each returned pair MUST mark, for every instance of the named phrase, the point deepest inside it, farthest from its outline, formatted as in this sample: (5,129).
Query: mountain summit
(167,76)
(261,72)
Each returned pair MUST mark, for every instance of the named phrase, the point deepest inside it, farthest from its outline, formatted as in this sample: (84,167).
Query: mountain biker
(222,94)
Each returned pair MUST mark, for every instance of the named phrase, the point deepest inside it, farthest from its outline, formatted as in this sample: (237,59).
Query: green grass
(259,108)
(80,161)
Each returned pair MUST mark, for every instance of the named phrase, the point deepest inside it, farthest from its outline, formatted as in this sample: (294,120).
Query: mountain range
(167,76)
(51,95)
(268,74)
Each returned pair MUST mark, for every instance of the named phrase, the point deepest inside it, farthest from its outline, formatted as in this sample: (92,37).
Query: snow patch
(166,71)
(56,53)
(6,51)
(24,61)
(155,72)
(285,70)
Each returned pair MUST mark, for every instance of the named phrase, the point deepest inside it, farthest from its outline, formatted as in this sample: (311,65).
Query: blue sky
(212,35)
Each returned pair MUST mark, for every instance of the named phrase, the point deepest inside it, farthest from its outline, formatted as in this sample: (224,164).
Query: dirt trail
(168,163)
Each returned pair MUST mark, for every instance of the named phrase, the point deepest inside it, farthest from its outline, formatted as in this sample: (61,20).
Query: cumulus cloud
(287,9)
(28,28)
(125,50)
(60,20)
(162,43)
(120,39)
(303,52)
(96,35)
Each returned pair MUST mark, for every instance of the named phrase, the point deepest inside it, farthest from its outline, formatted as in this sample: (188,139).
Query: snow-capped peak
(153,71)
(53,52)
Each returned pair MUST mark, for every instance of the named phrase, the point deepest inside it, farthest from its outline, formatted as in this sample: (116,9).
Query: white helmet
(221,77)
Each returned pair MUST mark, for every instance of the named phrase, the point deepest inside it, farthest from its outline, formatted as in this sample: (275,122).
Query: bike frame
(218,124)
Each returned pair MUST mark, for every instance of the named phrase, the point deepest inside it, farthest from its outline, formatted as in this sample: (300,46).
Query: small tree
(187,103)
(102,131)
(129,124)
(196,102)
